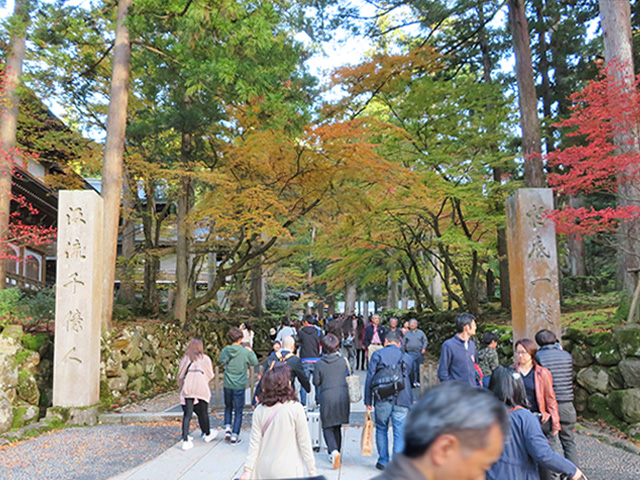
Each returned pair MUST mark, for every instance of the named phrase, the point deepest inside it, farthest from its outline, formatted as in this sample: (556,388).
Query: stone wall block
(6,412)
(628,339)
(594,379)
(616,381)
(581,356)
(631,405)
(31,362)
(630,369)
(581,398)
(28,388)
(606,354)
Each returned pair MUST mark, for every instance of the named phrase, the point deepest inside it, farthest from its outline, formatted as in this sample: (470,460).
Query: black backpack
(388,380)
(280,360)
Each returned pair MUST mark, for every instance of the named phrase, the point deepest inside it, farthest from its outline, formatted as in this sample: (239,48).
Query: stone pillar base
(75,415)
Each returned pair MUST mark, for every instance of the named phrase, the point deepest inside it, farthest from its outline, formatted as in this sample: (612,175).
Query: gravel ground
(158,403)
(86,453)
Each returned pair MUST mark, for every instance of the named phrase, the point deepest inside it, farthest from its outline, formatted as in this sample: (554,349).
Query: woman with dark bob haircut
(526,449)
(538,384)
(332,392)
(280,445)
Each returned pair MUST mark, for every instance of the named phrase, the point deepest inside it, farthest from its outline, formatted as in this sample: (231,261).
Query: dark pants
(333,438)
(361,359)
(417,358)
(567,414)
(202,411)
(233,405)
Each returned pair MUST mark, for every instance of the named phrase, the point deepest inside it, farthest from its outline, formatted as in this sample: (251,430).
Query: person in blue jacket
(526,448)
(458,354)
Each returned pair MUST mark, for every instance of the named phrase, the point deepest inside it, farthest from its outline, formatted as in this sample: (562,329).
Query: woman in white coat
(280,445)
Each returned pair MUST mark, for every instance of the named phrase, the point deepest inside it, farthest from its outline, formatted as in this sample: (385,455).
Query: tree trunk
(113,153)
(503,257)
(9,106)
(182,246)
(404,305)
(212,269)
(575,245)
(258,290)
(527,99)
(543,70)
(350,299)
(127,267)
(392,295)
(365,307)
(615,17)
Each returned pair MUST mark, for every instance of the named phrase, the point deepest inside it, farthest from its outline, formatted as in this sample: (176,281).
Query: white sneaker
(212,435)
(335,458)
(187,445)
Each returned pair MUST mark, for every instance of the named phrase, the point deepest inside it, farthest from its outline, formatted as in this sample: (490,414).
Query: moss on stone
(106,397)
(35,341)
(628,339)
(18,414)
(600,338)
(614,401)
(598,408)
(606,354)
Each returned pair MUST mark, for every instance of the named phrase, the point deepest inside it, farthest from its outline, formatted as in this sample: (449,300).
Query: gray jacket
(414,342)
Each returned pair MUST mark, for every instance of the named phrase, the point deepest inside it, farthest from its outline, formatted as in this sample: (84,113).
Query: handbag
(366,441)
(353,383)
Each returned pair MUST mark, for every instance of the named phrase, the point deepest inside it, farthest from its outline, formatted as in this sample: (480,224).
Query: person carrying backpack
(285,356)
(388,386)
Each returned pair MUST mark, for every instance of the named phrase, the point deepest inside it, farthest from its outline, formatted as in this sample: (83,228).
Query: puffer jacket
(560,363)
(546,397)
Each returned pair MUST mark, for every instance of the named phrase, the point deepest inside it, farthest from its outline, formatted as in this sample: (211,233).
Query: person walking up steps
(235,359)
(280,444)
(194,374)
(388,386)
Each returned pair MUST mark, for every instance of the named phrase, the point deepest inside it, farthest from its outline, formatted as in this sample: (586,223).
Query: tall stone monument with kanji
(533,263)
(76,374)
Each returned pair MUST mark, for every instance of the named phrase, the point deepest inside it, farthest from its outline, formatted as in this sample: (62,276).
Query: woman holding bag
(330,379)
(280,444)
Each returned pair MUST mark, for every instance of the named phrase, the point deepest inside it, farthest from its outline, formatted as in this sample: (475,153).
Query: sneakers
(379,466)
(235,440)
(212,435)
(187,445)
(227,432)
(334,458)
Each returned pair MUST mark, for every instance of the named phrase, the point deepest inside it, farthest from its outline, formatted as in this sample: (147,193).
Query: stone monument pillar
(76,373)
(533,263)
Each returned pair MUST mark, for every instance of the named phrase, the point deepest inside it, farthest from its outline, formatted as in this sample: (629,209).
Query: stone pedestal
(76,374)
(533,263)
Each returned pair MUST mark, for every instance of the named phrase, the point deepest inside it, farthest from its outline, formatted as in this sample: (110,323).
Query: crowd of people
(482,419)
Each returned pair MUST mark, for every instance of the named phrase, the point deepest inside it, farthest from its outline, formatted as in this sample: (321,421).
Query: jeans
(233,406)
(349,352)
(417,358)
(383,412)
(202,411)
(308,370)
(333,438)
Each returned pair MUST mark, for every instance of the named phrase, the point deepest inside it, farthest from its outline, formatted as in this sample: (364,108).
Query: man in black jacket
(309,338)
(286,355)
(560,364)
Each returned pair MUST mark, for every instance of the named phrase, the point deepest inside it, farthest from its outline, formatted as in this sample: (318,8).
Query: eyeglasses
(522,353)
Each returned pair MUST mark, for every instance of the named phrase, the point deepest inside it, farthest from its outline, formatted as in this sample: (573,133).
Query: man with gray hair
(455,431)
(415,344)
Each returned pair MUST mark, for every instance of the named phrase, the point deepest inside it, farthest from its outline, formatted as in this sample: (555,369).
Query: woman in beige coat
(280,445)
(194,374)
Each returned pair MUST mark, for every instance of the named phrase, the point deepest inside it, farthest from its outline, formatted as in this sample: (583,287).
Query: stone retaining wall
(607,375)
